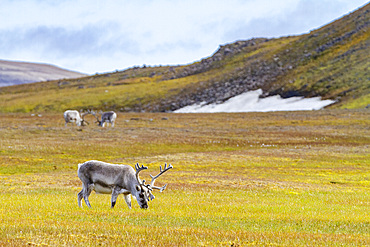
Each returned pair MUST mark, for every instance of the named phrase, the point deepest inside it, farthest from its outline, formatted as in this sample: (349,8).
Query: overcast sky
(92,36)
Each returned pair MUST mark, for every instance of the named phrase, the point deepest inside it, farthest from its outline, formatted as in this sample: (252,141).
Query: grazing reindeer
(115,179)
(71,116)
(108,117)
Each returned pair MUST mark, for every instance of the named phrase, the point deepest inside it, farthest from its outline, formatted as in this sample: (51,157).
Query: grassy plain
(279,179)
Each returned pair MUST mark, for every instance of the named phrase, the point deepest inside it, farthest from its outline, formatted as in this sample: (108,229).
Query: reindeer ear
(137,188)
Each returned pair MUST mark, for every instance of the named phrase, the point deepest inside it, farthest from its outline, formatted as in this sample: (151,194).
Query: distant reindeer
(116,179)
(71,116)
(106,117)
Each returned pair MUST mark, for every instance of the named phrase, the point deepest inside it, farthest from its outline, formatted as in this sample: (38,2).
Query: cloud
(91,36)
(303,17)
(59,40)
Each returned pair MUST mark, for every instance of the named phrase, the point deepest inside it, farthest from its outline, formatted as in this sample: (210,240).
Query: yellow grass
(279,179)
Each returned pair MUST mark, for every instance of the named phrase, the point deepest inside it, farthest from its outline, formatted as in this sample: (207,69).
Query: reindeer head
(97,118)
(83,121)
(144,191)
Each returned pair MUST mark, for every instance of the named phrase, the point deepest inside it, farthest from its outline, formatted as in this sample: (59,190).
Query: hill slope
(331,62)
(21,72)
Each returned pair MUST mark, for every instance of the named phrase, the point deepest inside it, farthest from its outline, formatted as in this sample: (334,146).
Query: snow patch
(251,102)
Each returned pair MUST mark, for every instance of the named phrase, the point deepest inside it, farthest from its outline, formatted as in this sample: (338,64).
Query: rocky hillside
(21,72)
(332,62)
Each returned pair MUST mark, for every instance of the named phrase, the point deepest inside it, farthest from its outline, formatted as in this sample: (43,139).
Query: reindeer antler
(139,169)
(151,186)
(97,118)
(84,114)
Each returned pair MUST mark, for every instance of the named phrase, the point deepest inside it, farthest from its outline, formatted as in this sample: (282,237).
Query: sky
(91,36)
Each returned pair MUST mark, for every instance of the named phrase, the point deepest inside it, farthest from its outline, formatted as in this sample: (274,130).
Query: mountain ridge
(17,72)
(331,62)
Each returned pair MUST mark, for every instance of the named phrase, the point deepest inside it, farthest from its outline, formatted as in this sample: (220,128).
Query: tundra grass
(283,179)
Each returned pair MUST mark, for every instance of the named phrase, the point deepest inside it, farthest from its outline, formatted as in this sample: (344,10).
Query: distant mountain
(12,73)
(331,62)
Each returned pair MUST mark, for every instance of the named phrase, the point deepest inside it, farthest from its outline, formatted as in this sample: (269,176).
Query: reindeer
(74,116)
(106,178)
(108,117)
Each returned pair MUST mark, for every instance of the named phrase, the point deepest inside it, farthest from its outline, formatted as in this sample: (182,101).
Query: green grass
(281,179)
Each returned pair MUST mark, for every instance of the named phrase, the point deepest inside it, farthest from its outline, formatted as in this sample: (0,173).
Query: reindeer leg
(79,197)
(128,200)
(87,193)
(81,194)
(115,193)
